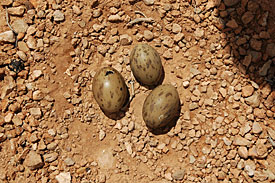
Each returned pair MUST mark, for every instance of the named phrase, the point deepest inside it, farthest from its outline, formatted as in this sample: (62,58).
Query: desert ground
(219,54)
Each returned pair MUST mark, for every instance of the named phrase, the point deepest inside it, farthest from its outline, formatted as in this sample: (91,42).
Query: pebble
(148,35)
(102,135)
(178,174)
(240,141)
(17,11)
(33,160)
(149,2)
(254,100)
(58,16)
(247,91)
(256,128)
(20,25)
(50,157)
(7,37)
(31,42)
(243,153)
(270,50)
(125,39)
(176,28)
(6,2)
(69,161)
(22,55)
(36,74)
(63,177)
(76,10)
(168,54)
(232,24)
(114,18)
(192,159)
(264,69)
(199,33)
(36,112)
(247,17)
(185,84)
(22,46)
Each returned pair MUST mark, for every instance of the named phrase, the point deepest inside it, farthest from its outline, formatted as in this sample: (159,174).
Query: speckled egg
(161,106)
(146,65)
(110,90)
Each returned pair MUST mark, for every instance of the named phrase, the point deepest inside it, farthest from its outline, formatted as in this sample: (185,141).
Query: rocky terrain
(220,54)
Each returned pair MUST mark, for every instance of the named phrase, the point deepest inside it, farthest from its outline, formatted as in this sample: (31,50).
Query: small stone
(58,16)
(256,44)
(193,106)
(168,41)
(178,174)
(149,2)
(254,100)
(8,117)
(7,37)
(256,128)
(37,95)
(22,55)
(114,18)
(31,42)
(76,10)
(23,46)
(240,141)
(36,112)
(199,33)
(128,147)
(243,153)
(264,69)
(50,157)
(168,54)
(64,177)
(33,160)
(192,159)
(69,162)
(249,170)
(259,113)
(223,92)
(3,137)
(36,74)
(102,135)
(247,91)
(125,40)
(20,25)
(231,2)
(185,84)
(148,35)
(232,24)
(176,28)
(247,17)
(270,50)
(17,11)
(178,37)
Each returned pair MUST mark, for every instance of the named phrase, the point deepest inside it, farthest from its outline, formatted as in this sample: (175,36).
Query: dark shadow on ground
(249,26)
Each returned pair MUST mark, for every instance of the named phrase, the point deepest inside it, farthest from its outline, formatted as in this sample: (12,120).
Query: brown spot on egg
(168,94)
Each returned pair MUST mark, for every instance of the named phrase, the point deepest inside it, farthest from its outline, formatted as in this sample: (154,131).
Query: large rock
(33,160)
(17,11)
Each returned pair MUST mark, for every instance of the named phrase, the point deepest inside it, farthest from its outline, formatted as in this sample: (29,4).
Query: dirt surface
(219,54)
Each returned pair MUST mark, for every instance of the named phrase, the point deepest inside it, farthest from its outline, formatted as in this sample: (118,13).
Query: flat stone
(64,177)
(33,160)
(240,141)
(176,28)
(76,10)
(36,74)
(125,40)
(247,91)
(20,25)
(259,113)
(17,11)
(69,161)
(102,135)
(199,33)
(50,157)
(58,16)
(22,55)
(7,37)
